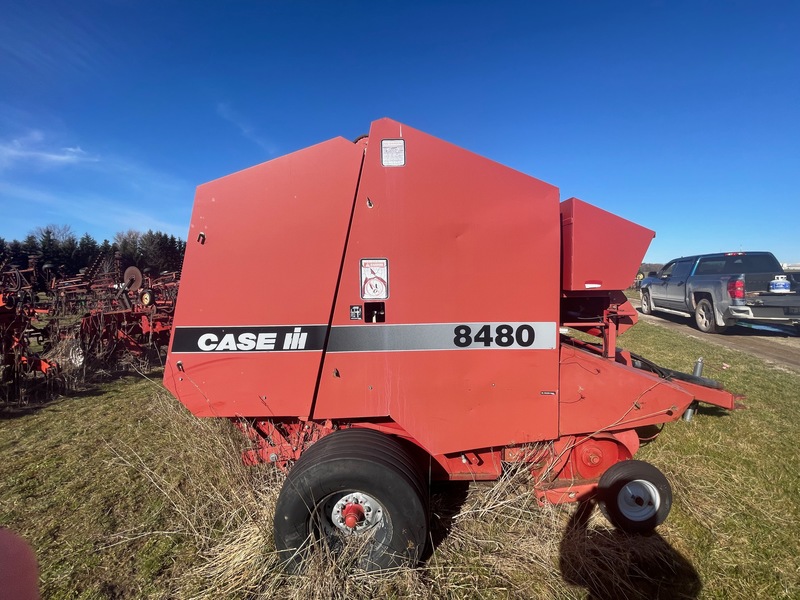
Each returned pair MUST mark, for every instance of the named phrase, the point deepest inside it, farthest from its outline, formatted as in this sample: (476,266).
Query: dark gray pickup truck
(720,290)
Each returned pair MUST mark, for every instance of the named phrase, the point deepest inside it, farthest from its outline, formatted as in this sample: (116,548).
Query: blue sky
(681,116)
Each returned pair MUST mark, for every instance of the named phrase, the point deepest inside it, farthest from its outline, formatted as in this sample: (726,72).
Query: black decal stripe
(366,337)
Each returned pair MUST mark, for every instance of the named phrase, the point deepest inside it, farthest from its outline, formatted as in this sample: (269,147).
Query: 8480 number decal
(502,335)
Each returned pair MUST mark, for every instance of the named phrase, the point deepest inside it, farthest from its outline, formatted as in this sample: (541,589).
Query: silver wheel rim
(703,317)
(76,355)
(638,500)
(373,512)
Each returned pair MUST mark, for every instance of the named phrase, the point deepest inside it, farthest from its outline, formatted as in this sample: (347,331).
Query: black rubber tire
(705,319)
(354,461)
(647,304)
(13,280)
(634,496)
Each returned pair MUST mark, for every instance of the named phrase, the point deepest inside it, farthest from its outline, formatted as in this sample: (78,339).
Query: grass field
(125,495)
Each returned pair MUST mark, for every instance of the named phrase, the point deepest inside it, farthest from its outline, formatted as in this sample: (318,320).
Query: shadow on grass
(610,564)
(16,409)
(20,399)
(447,500)
(712,411)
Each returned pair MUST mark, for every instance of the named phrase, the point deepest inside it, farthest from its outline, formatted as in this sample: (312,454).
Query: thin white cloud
(101,215)
(33,149)
(225,111)
(41,180)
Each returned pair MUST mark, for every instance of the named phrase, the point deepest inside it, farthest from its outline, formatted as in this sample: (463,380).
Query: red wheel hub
(593,457)
(353,515)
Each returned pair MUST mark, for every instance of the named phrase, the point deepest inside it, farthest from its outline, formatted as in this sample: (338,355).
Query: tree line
(59,247)
(650,267)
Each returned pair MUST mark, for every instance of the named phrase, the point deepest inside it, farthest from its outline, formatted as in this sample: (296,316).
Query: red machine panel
(598,394)
(263,256)
(601,251)
(446,316)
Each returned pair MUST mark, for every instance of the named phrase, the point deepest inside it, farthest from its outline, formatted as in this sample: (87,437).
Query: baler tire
(647,306)
(634,496)
(364,467)
(705,319)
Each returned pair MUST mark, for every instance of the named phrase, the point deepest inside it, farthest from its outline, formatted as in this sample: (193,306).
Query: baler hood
(600,251)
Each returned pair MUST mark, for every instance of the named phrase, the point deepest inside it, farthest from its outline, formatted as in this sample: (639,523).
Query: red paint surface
(601,251)
(467,240)
(274,237)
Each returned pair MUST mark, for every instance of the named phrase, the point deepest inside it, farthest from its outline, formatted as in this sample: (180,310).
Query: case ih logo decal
(249,339)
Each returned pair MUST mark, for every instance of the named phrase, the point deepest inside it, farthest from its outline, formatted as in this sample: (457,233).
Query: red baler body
(407,285)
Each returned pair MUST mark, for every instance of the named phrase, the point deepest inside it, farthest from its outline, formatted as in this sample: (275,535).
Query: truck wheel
(634,496)
(705,319)
(354,485)
(647,306)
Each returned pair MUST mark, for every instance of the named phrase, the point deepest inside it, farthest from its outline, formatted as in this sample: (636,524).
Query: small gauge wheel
(148,297)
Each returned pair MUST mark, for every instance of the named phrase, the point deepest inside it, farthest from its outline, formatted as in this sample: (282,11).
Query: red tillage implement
(17,310)
(404,322)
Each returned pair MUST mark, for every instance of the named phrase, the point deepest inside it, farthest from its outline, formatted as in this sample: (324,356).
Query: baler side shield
(472,249)
(250,340)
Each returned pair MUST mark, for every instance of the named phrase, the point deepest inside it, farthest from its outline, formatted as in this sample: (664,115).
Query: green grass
(736,476)
(67,491)
(123,494)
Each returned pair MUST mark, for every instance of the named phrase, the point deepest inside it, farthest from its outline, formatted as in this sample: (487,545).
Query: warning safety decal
(374,279)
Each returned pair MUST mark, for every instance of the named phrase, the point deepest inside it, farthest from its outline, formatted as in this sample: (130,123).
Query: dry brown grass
(491,540)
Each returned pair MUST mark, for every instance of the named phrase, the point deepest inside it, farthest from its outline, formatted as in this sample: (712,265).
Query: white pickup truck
(719,290)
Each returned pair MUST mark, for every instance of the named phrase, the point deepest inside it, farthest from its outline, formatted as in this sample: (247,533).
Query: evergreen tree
(48,246)
(86,251)
(153,251)
(58,246)
(127,244)
(68,254)
(30,246)
(177,248)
